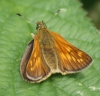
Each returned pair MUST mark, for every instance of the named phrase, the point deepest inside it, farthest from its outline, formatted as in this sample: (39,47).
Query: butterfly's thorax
(46,44)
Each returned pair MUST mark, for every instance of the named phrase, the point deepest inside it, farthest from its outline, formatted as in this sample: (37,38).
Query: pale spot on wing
(34,54)
(74,59)
(79,60)
(62,55)
(38,60)
(32,68)
(69,57)
(68,49)
(31,62)
(80,54)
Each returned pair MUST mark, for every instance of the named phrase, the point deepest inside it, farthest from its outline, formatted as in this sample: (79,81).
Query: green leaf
(73,25)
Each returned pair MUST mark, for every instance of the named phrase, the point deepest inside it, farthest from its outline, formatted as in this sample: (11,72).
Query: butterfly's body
(49,53)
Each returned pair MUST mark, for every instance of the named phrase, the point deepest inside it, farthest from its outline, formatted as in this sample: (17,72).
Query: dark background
(93,11)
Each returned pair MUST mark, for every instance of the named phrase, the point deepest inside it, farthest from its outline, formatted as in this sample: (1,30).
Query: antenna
(54,15)
(62,9)
(25,18)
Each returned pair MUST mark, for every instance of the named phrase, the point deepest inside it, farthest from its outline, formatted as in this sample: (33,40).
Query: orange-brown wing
(71,58)
(36,68)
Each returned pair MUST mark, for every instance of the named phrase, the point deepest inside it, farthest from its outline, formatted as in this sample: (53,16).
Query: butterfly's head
(40,25)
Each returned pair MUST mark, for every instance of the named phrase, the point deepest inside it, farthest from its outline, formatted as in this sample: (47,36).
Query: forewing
(71,58)
(36,69)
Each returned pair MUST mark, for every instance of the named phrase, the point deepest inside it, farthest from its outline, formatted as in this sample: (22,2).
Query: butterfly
(49,53)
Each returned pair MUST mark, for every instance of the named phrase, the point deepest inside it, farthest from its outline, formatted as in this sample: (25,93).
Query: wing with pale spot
(36,69)
(71,58)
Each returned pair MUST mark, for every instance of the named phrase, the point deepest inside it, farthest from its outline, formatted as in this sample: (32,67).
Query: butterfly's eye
(38,26)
